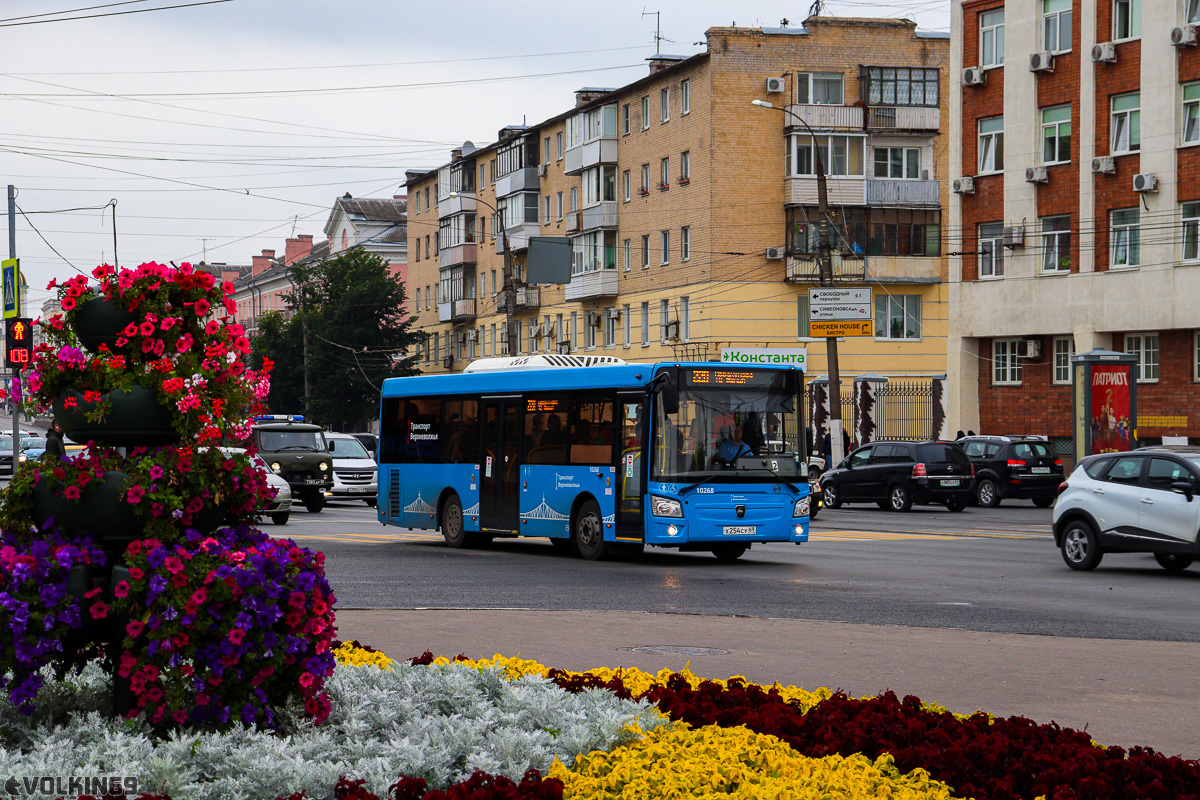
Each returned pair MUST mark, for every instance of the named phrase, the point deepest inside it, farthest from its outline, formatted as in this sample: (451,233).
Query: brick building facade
(1059,247)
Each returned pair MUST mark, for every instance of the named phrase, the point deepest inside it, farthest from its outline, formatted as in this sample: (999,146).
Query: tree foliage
(358,335)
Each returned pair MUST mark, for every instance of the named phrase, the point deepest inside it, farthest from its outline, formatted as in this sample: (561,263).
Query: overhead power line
(108,14)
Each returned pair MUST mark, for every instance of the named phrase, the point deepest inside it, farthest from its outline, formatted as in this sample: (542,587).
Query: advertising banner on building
(1112,423)
(766,356)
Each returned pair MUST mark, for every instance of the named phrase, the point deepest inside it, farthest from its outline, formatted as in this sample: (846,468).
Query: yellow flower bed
(682,762)
(351,656)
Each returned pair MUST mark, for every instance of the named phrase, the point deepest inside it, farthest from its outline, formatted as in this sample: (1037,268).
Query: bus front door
(631,469)
(498,494)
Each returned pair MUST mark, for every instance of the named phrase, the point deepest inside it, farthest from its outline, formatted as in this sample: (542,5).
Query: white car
(355,473)
(280,508)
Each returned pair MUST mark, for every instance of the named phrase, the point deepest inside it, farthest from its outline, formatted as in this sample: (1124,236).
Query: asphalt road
(980,570)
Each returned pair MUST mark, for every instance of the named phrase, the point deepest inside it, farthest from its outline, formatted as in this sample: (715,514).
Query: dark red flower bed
(980,757)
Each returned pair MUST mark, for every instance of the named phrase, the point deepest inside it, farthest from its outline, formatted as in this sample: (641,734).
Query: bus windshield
(725,414)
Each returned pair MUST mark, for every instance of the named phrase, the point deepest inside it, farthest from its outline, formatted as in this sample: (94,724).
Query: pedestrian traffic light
(18,342)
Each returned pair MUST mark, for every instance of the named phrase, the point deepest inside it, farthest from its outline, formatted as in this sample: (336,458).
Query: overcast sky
(224,128)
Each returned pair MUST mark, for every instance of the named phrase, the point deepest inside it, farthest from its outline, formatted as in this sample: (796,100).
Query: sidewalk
(1122,692)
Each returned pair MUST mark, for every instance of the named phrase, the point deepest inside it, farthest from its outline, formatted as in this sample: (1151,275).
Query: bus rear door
(499,481)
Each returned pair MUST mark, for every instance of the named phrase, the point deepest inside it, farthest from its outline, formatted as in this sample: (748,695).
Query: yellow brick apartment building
(691,214)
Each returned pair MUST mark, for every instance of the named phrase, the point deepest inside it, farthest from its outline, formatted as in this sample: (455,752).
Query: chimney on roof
(588,94)
(230,275)
(347,196)
(297,249)
(660,61)
(260,264)
(456,154)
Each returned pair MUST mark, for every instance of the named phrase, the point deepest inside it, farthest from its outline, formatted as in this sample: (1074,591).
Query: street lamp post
(509,289)
(825,263)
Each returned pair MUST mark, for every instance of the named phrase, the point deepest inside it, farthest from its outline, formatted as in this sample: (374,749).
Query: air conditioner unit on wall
(448,362)
(672,329)
(1029,348)
(613,313)
(1104,53)
(775,85)
(1145,182)
(1037,175)
(1184,36)
(593,319)
(964,185)
(1014,236)
(472,335)
(1104,165)
(972,76)
(541,170)
(1041,62)
(774,253)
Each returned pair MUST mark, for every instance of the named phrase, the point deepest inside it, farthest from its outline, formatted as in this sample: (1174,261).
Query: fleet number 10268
(704,490)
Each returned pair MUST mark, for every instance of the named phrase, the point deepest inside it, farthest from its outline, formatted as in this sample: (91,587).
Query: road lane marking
(854,536)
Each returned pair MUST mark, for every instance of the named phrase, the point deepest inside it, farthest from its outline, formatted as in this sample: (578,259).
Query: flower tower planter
(145,542)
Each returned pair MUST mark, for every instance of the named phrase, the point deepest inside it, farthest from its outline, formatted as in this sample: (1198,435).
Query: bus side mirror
(668,395)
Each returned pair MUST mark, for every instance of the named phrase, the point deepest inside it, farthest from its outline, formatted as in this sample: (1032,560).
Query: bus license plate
(1041,470)
(954,482)
(739,530)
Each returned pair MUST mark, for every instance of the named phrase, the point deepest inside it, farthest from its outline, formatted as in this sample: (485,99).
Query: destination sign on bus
(728,377)
(532,405)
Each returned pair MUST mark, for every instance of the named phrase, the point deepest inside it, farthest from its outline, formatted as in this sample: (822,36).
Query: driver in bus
(733,448)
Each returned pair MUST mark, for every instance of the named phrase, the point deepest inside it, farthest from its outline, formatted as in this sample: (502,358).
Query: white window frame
(627,253)
(1059,19)
(558,197)
(1055,243)
(685,313)
(1145,346)
(645,323)
(626,186)
(991,250)
(1190,133)
(907,171)
(685,243)
(1125,124)
(1126,236)
(685,166)
(626,327)
(1064,348)
(807,85)
(1133,19)
(645,178)
(906,307)
(610,329)
(646,112)
(664,242)
(1192,12)
(547,210)
(991,145)
(664,171)
(685,97)
(1006,367)
(664,104)
(1190,216)
(1053,130)
(991,35)
(625,114)
(664,316)
(838,155)
(558,146)
(645,251)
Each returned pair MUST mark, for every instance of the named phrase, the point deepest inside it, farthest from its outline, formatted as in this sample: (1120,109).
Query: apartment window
(685,97)
(840,155)
(664,316)
(534,330)
(573,337)
(1056,134)
(991,250)
(819,88)
(626,180)
(664,172)
(418,246)
(646,113)
(665,246)
(991,38)
(427,206)
(546,209)
(1191,231)
(558,146)
(902,86)
(1127,19)
(1193,11)
(558,205)
(418,203)
(546,150)
(685,312)
(1064,348)
(1056,244)
(427,245)
(626,326)
(1056,25)
(482,175)
(991,144)
(898,162)
(610,328)
(482,223)
(428,297)
(898,316)
(574,199)
(1145,347)
(1126,123)
(685,243)
(589,330)
(664,104)
(645,178)
(1191,112)
(1126,237)
(645,324)
(418,299)
(646,251)
(625,120)
(495,285)
(685,166)
(1006,367)
(627,254)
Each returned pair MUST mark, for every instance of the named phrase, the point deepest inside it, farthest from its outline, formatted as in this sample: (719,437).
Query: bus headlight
(276,468)
(801,508)
(323,466)
(665,507)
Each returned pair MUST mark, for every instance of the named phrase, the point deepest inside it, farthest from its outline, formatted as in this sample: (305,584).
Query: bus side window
(594,429)
(391,431)
(546,438)
(422,427)
(459,437)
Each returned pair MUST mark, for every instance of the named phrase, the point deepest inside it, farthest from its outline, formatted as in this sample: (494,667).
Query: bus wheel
(587,532)
(727,553)
(452,522)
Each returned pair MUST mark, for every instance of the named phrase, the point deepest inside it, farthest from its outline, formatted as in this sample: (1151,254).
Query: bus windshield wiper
(778,477)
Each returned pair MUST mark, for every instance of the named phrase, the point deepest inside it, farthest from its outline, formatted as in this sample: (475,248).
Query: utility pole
(16,373)
(825,265)
(114,207)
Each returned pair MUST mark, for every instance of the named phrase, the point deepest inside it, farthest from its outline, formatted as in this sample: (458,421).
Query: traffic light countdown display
(18,342)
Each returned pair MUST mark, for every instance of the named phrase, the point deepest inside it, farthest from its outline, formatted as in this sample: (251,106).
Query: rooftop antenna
(295,220)
(204,250)
(816,8)
(657,30)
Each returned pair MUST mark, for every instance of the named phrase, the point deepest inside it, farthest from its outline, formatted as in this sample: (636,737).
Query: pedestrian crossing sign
(11,270)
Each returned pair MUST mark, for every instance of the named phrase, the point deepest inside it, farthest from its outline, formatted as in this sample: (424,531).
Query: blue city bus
(598,455)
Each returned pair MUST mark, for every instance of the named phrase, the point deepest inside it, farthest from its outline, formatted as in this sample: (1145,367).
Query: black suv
(1019,467)
(897,474)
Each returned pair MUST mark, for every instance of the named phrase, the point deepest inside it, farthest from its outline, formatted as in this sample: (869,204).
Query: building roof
(372,209)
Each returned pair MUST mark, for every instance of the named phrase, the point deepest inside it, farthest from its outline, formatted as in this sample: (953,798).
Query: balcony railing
(518,237)
(525,298)
(598,283)
(903,193)
(603,215)
(457,310)
(806,268)
(827,117)
(519,180)
(464,253)
(904,118)
(574,221)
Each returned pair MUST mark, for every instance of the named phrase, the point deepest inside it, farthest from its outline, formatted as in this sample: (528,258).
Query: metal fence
(877,410)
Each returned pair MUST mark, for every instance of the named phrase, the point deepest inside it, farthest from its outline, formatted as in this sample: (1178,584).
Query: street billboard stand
(1104,402)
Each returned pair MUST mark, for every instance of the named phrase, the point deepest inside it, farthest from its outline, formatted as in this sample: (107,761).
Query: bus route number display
(532,405)
(722,377)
